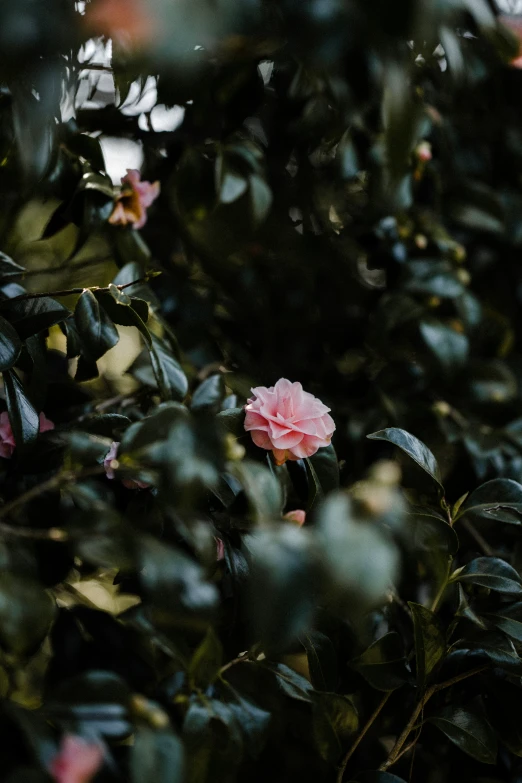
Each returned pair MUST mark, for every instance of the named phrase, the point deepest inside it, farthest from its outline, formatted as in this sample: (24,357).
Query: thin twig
(239,659)
(479,538)
(53,533)
(71,291)
(367,726)
(397,749)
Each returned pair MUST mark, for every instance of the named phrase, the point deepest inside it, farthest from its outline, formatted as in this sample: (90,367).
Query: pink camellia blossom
(77,760)
(297,516)
(108,464)
(132,203)
(290,422)
(7,441)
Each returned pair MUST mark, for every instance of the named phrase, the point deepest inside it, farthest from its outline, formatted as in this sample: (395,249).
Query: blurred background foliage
(340,205)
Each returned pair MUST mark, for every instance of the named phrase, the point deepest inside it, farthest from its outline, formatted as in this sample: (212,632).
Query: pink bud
(220,549)
(297,516)
(108,464)
(77,760)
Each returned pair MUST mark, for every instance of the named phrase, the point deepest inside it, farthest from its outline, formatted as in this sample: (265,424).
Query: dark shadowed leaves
(430,643)
(335,720)
(26,614)
(322,660)
(156,755)
(30,316)
(206,661)
(469,730)
(383,664)
(170,378)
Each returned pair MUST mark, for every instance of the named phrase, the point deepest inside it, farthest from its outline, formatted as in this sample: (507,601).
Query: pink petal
(297,516)
(119,216)
(288,441)
(45,423)
(254,421)
(261,439)
(77,761)
(111,455)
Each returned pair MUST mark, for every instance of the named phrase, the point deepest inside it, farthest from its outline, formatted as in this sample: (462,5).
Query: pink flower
(287,420)
(110,463)
(220,549)
(514,24)
(127,21)
(297,516)
(7,441)
(132,203)
(77,761)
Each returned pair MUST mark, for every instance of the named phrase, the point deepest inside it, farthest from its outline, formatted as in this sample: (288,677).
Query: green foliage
(339,205)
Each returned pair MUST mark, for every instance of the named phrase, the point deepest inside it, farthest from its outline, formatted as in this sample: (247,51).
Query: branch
(55,482)
(367,726)
(71,291)
(397,749)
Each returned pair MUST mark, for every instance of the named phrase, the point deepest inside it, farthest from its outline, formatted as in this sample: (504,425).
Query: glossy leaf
(97,332)
(206,661)
(10,345)
(170,378)
(24,419)
(490,572)
(498,499)
(413,447)
(335,720)
(469,731)
(30,316)
(156,755)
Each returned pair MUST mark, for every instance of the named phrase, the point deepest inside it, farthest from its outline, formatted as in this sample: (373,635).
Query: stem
(53,533)
(229,665)
(481,541)
(71,291)
(397,749)
(442,589)
(367,726)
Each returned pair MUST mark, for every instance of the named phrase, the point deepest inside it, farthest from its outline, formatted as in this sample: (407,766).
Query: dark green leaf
(450,347)
(430,642)
(10,345)
(206,661)
(322,660)
(261,488)
(335,720)
(208,393)
(383,664)
(290,682)
(97,331)
(326,467)
(260,198)
(490,572)
(232,420)
(30,316)
(498,499)
(26,614)
(156,756)
(503,703)
(24,420)
(413,447)
(469,731)
(172,381)
(8,268)
(508,618)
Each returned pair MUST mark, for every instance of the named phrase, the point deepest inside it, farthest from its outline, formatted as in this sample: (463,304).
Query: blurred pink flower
(290,422)
(7,441)
(514,23)
(220,549)
(128,22)
(423,151)
(297,516)
(111,457)
(132,203)
(77,760)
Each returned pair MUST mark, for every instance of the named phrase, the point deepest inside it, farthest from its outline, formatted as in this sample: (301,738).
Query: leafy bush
(330,192)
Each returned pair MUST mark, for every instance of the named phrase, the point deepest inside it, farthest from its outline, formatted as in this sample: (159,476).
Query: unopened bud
(234,451)
(423,151)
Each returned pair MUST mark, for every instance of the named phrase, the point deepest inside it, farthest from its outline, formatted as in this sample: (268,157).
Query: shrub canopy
(330,193)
